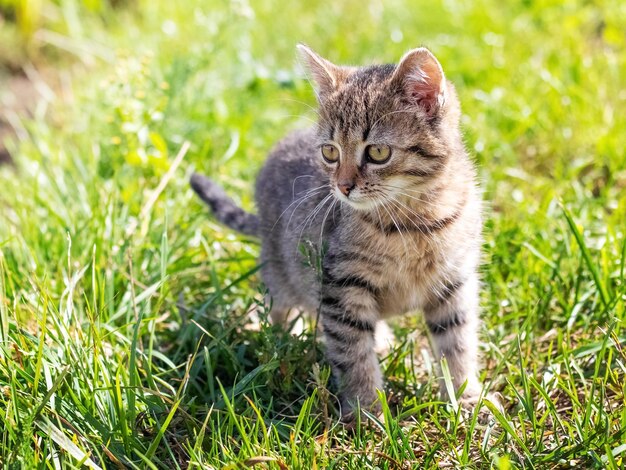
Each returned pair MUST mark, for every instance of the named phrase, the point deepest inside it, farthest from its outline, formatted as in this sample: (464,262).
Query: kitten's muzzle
(345,186)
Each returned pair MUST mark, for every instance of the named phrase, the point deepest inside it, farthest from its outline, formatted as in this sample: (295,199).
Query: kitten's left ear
(420,76)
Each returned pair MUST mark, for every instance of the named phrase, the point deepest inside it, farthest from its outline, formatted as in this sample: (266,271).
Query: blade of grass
(153,446)
(580,240)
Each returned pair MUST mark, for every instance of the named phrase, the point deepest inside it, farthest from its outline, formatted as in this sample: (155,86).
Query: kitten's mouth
(357,201)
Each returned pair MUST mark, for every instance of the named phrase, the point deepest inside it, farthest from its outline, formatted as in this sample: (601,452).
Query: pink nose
(346,186)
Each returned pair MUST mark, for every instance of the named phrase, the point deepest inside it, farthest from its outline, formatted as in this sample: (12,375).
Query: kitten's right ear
(326,75)
(421,77)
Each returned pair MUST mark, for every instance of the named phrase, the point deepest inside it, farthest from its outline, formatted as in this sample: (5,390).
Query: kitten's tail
(224,207)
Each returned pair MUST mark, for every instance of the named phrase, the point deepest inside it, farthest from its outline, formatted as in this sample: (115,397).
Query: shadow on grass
(241,369)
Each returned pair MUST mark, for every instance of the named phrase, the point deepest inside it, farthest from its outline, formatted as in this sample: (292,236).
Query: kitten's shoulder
(297,145)
(294,156)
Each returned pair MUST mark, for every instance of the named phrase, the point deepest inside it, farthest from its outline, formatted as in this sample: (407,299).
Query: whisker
(429,240)
(312,108)
(401,207)
(421,217)
(397,226)
(296,208)
(417,191)
(308,194)
(313,213)
(335,207)
(432,243)
(330,208)
(421,201)
(301,116)
(293,183)
(312,216)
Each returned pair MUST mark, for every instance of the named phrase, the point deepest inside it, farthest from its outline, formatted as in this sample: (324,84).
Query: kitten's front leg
(349,316)
(452,318)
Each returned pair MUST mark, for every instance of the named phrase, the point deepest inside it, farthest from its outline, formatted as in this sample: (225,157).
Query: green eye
(330,153)
(378,153)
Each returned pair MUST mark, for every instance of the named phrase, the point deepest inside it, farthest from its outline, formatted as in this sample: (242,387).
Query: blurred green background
(123,304)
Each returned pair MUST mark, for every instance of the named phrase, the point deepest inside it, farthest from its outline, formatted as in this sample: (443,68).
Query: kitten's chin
(359,204)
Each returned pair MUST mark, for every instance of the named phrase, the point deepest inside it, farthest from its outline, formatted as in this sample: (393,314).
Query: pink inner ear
(424,85)
(422,80)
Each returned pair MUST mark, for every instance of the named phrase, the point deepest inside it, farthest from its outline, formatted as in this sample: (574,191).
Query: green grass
(124,338)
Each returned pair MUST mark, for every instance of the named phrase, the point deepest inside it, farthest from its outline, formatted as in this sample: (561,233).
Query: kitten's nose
(345,186)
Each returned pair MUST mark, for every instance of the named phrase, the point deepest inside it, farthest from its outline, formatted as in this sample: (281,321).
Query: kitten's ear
(420,76)
(326,75)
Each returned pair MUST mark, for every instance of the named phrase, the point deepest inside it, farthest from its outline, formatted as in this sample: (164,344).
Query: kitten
(386,193)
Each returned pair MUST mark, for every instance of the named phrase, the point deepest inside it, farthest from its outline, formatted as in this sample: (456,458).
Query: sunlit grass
(124,337)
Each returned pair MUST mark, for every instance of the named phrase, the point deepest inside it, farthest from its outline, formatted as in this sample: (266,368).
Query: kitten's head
(384,130)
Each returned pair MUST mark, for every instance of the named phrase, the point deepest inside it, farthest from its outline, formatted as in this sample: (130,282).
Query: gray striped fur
(406,238)
(223,207)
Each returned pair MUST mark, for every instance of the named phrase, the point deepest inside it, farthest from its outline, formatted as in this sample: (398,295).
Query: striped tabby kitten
(384,190)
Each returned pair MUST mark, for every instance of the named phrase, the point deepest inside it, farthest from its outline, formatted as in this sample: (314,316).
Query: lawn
(124,335)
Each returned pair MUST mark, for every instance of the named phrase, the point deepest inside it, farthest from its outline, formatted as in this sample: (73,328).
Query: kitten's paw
(384,339)
(349,415)
(469,403)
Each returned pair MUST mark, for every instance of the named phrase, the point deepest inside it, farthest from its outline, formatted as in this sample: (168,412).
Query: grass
(124,338)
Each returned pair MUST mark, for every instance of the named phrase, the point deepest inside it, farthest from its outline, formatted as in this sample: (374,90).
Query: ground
(125,340)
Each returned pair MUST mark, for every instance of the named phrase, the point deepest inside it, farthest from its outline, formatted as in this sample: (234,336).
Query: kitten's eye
(330,153)
(378,153)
